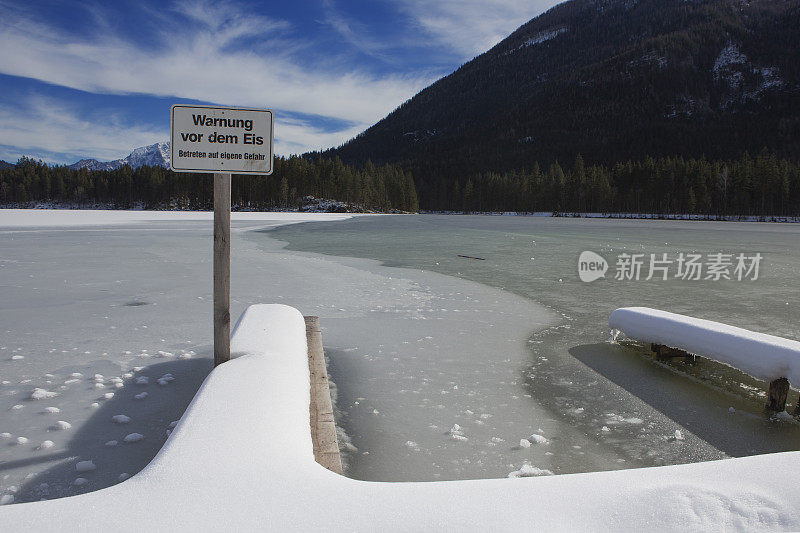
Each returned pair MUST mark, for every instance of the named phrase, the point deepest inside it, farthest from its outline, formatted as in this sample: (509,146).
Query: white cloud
(201,61)
(46,128)
(294,136)
(52,130)
(470,27)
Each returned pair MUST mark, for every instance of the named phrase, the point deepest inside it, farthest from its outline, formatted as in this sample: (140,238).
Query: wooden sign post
(222,141)
(222,268)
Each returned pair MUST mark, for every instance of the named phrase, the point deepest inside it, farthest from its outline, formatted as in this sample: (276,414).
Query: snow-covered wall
(241,459)
(760,355)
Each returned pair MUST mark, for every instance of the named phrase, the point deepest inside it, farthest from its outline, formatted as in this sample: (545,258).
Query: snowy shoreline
(39,218)
(268,479)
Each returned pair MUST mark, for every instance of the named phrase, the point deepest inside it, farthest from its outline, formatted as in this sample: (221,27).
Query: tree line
(380,188)
(752,186)
(757,186)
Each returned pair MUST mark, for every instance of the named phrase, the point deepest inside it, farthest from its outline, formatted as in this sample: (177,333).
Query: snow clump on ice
(528,470)
(41,394)
(85,466)
(133,437)
(121,419)
(538,439)
(456,433)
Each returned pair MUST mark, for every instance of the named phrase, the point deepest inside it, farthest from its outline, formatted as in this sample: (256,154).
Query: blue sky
(97,78)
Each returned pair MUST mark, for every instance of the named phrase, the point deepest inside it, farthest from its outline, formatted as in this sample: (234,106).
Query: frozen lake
(443,364)
(621,408)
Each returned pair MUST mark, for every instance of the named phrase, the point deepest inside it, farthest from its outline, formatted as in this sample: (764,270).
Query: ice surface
(569,370)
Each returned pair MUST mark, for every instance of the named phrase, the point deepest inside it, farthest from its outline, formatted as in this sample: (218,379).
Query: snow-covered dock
(242,458)
(766,357)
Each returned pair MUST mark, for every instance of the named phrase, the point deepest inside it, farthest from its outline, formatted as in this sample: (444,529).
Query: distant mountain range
(155,155)
(611,80)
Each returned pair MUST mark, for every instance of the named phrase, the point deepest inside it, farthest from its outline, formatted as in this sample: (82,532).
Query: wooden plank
(323,426)
(222,268)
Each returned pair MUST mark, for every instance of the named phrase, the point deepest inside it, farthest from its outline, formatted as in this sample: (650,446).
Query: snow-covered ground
(67,218)
(241,459)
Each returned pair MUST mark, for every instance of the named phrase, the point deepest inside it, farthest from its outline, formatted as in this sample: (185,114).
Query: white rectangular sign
(221,139)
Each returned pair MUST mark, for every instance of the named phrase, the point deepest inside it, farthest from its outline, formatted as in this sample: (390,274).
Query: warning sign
(221,139)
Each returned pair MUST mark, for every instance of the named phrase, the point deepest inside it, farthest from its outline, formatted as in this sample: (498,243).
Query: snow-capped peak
(154,155)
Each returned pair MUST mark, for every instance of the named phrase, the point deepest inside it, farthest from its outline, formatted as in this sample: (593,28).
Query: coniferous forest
(761,185)
(751,186)
(383,188)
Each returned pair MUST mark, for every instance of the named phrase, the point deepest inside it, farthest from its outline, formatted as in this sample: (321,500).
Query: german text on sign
(221,139)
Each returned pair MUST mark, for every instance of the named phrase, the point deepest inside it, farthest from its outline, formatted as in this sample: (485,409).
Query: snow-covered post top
(762,356)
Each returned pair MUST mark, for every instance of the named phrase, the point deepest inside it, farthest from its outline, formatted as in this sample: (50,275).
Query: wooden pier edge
(323,427)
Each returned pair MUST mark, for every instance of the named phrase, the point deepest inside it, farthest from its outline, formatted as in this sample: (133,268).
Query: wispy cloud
(470,27)
(52,130)
(354,33)
(224,52)
(201,61)
(294,136)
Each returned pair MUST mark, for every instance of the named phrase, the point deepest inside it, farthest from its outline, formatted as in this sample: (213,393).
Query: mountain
(611,80)
(155,155)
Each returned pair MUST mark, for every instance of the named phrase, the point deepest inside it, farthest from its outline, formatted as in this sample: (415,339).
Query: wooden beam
(222,268)
(665,353)
(323,426)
